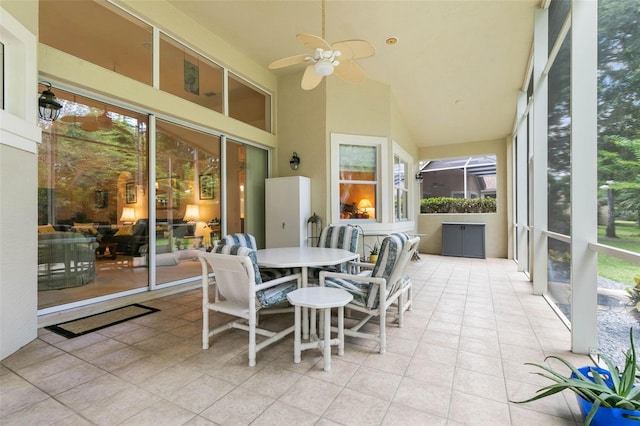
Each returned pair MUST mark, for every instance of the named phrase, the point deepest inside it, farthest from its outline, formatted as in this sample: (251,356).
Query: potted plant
(606,396)
(373,254)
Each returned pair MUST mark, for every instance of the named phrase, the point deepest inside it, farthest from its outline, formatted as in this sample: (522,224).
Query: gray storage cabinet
(463,239)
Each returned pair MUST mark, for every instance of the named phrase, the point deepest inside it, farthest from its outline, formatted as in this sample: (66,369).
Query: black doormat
(75,328)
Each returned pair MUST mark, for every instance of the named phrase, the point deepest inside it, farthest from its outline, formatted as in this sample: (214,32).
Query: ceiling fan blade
(285,62)
(313,42)
(310,79)
(89,124)
(354,49)
(350,71)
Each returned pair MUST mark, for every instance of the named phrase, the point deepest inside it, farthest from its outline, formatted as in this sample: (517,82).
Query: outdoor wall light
(419,177)
(49,107)
(294,163)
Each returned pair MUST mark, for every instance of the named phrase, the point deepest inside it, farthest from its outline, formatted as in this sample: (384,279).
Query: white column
(539,188)
(521,165)
(584,145)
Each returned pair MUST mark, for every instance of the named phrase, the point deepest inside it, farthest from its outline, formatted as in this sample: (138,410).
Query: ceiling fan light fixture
(323,68)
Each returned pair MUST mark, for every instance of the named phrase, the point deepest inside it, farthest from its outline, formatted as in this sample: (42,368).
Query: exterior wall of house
(19,135)
(497,227)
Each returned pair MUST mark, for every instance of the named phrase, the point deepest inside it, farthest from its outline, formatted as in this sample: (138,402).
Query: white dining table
(303,258)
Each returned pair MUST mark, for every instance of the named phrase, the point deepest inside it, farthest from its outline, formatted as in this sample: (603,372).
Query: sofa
(65,259)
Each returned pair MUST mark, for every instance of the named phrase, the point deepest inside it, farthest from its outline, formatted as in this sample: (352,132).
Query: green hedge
(457,205)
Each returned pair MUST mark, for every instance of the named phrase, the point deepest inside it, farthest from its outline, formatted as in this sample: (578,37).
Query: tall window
(358,178)
(400,190)
(92,201)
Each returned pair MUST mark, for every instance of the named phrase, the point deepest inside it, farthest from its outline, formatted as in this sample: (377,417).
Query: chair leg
(383,321)
(400,310)
(205,326)
(252,341)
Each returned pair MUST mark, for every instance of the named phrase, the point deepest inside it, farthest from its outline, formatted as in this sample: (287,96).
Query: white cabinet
(287,209)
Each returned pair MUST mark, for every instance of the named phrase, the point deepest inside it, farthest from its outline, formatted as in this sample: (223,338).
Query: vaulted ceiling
(455,71)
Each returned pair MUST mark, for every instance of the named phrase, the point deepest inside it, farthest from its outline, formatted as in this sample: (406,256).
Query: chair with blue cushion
(240,292)
(336,236)
(375,291)
(248,240)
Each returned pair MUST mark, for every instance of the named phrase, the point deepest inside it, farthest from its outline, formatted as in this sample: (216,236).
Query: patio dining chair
(376,290)
(248,240)
(240,292)
(336,236)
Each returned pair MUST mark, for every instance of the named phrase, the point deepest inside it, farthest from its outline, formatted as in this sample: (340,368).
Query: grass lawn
(628,239)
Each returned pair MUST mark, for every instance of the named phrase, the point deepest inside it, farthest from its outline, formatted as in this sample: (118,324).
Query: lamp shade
(323,68)
(128,215)
(364,204)
(192,213)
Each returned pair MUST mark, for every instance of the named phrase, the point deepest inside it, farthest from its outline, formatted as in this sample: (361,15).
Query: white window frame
(382,183)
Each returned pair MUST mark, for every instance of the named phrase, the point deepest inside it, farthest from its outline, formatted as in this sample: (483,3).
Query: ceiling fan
(326,59)
(90,123)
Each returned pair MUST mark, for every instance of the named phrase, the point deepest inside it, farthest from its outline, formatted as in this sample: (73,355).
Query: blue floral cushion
(267,297)
(365,294)
(248,240)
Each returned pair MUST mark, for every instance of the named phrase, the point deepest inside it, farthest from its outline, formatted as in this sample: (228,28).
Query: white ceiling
(455,72)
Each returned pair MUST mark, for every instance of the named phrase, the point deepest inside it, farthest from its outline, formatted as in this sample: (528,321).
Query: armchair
(336,236)
(240,292)
(376,290)
(249,241)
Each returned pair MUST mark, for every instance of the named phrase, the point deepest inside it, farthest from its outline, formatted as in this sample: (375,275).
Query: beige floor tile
(341,371)
(401,346)
(401,415)
(118,359)
(522,417)
(33,353)
(64,380)
(160,413)
(375,382)
(430,371)
(389,362)
(355,408)
(200,393)
(433,352)
(488,347)
(239,407)
(47,411)
(271,381)
(73,345)
(20,397)
(479,384)
(311,395)
(92,392)
(475,410)
(96,350)
(141,369)
(445,340)
(159,342)
(169,380)
(482,363)
(43,369)
(120,406)
(139,334)
(428,397)
(280,412)
(200,421)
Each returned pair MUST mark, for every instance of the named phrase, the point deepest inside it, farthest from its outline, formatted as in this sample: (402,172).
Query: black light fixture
(49,106)
(294,163)
(419,177)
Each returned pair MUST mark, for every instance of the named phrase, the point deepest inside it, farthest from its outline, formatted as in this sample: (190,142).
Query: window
(100,33)
(400,190)
(186,74)
(464,177)
(357,162)
(249,104)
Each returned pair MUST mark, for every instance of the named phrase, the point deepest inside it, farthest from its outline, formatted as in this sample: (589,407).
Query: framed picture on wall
(101,199)
(130,193)
(207,187)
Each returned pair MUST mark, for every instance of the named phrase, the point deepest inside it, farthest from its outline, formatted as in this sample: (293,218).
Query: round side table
(325,299)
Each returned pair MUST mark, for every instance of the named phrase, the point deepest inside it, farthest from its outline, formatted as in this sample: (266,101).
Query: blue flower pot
(605,416)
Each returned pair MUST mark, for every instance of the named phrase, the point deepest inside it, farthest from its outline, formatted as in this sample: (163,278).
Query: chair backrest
(236,272)
(243,240)
(395,252)
(340,236)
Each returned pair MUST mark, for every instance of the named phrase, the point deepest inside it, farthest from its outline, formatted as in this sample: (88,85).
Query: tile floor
(458,361)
